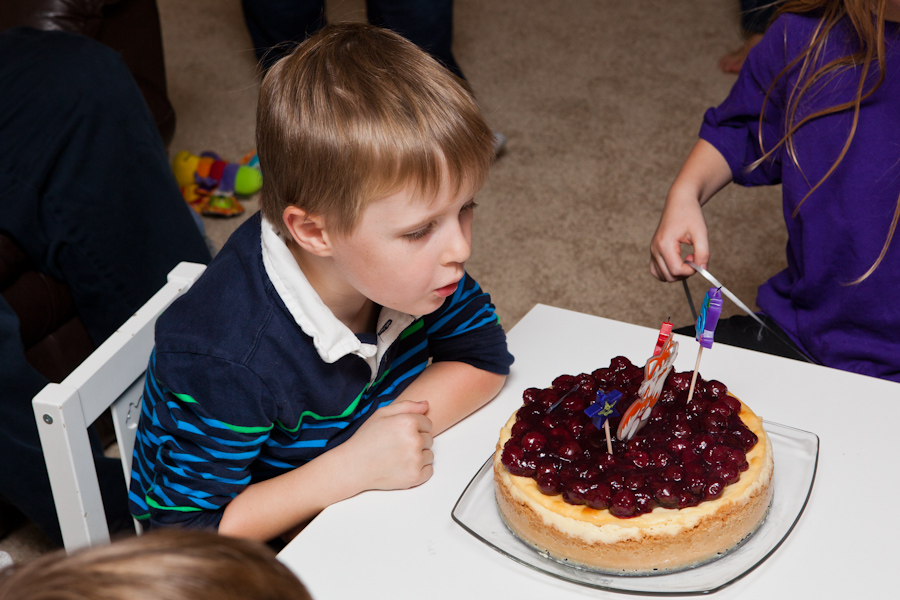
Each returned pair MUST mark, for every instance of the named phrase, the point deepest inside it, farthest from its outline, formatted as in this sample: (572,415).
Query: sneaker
(499,143)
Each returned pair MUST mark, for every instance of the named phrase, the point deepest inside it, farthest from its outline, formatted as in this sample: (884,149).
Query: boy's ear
(308,231)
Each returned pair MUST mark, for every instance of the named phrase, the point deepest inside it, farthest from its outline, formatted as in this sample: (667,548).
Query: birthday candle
(706,329)
(664,332)
(709,317)
(601,410)
(655,372)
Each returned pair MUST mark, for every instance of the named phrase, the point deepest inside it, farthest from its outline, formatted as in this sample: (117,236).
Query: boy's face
(406,253)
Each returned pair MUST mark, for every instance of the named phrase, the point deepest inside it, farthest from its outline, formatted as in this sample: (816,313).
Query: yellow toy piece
(209,184)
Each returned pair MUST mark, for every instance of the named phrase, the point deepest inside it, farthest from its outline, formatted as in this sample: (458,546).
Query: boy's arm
(453,391)
(704,173)
(391,450)
(469,355)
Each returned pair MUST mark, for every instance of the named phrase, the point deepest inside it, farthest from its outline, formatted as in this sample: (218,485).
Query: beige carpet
(601,101)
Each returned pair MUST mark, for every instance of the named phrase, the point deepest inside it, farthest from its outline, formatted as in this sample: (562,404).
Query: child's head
(171,564)
(357,113)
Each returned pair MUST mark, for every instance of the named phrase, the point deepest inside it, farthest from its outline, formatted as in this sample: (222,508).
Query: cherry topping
(701,442)
(635,481)
(606,461)
(720,408)
(564,383)
(659,458)
(713,423)
(575,490)
(686,499)
(533,442)
(616,482)
(716,454)
(644,501)
(694,483)
(515,461)
(531,414)
(684,455)
(713,489)
(727,472)
(603,376)
(733,403)
(570,450)
(546,465)
(575,402)
(638,458)
(717,389)
(519,429)
(548,398)
(676,446)
(623,504)
(574,426)
(747,438)
(549,483)
(673,472)
(531,395)
(619,363)
(598,497)
(679,381)
(568,472)
(667,494)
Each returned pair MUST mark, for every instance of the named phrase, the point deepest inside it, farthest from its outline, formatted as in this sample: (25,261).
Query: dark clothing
(756,15)
(744,332)
(230,402)
(277,26)
(87,191)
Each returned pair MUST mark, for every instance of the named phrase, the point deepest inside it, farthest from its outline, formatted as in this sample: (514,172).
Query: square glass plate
(796,455)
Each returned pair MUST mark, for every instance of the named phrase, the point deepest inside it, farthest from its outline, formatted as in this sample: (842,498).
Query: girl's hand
(682,222)
(704,173)
(392,449)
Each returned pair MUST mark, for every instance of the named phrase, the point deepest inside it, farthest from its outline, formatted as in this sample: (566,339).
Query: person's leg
(23,478)
(756,15)
(27,488)
(277,26)
(755,18)
(85,182)
(87,191)
(426,23)
(744,332)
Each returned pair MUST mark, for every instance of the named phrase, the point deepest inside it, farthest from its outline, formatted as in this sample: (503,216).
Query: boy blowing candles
(336,332)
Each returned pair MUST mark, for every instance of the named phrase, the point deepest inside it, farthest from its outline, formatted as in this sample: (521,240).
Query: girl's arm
(704,173)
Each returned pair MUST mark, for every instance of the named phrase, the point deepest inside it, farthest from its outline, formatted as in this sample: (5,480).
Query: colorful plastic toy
(209,184)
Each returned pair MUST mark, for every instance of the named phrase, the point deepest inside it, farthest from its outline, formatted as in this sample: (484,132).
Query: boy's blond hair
(165,564)
(357,113)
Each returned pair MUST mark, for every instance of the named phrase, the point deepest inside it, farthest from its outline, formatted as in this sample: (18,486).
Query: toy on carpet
(210,184)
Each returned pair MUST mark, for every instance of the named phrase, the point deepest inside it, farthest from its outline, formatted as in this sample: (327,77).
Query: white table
(404,544)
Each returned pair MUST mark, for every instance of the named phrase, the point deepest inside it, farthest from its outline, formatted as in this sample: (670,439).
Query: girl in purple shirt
(816,108)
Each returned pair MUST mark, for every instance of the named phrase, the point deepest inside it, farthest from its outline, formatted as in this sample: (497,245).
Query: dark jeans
(756,15)
(744,332)
(87,191)
(277,26)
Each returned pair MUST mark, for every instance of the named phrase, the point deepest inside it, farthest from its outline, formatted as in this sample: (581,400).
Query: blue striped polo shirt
(249,379)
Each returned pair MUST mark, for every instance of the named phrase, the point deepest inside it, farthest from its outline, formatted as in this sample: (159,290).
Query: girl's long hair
(867,20)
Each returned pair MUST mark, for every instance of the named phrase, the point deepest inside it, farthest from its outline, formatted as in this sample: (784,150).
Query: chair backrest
(111,377)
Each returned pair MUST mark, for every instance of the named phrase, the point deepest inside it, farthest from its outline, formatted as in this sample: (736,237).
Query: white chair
(112,377)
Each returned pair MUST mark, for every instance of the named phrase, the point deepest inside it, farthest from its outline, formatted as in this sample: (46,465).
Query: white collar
(332,339)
